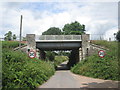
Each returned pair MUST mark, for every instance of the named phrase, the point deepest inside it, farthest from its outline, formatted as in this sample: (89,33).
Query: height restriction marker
(32,54)
(101,53)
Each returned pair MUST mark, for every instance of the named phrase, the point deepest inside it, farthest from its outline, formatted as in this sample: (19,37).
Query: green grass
(103,68)
(19,71)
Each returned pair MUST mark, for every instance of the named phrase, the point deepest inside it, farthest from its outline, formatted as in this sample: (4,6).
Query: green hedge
(103,68)
(19,71)
(10,44)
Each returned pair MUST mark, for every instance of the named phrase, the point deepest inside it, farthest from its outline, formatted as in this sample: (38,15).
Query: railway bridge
(79,44)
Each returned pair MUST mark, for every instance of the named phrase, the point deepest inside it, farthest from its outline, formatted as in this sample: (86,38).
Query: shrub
(96,67)
(10,44)
(19,71)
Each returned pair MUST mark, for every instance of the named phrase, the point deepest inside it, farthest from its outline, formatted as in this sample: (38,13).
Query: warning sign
(101,53)
(32,54)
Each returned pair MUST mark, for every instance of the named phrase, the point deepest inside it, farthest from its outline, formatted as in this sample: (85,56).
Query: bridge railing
(58,37)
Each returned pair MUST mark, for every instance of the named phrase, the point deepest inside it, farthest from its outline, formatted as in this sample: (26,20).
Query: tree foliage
(74,28)
(14,37)
(118,36)
(52,31)
(9,36)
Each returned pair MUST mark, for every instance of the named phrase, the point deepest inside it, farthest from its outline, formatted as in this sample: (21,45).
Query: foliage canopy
(74,28)
(52,31)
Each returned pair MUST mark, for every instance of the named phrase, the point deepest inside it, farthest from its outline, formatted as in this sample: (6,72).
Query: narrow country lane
(63,78)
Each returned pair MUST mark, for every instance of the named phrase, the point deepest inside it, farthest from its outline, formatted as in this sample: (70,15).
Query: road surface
(63,78)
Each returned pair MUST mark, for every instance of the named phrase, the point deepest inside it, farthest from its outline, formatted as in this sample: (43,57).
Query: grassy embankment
(19,71)
(104,68)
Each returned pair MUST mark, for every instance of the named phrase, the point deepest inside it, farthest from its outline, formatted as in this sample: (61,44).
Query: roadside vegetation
(19,71)
(104,68)
(10,44)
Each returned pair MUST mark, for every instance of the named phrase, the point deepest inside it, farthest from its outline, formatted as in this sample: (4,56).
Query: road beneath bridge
(63,78)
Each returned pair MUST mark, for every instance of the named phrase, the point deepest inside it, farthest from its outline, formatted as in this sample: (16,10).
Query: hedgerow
(103,68)
(19,71)
(10,44)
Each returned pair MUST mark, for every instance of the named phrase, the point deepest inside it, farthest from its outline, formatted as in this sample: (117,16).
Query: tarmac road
(63,78)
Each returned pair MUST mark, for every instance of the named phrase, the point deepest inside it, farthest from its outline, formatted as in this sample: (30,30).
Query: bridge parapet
(58,37)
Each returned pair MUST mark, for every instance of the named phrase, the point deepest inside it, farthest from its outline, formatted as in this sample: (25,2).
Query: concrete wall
(95,48)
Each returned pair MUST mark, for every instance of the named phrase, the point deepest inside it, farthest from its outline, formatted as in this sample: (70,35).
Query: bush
(19,71)
(10,44)
(103,68)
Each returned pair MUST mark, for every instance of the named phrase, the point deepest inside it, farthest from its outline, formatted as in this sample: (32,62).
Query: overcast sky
(98,17)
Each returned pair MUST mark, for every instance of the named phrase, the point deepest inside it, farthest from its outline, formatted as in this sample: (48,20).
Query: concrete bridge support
(74,57)
(85,46)
(31,43)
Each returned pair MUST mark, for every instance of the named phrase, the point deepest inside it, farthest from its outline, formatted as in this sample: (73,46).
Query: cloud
(110,33)
(98,17)
(61,1)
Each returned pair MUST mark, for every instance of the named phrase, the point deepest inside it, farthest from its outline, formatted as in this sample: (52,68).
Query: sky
(100,18)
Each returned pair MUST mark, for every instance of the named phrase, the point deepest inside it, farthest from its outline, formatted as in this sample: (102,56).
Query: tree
(74,28)
(14,37)
(8,36)
(118,36)
(52,31)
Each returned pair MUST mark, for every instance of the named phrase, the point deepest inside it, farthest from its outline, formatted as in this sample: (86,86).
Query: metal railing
(58,37)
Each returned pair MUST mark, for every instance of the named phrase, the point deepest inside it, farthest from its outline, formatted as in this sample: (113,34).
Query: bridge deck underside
(58,45)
